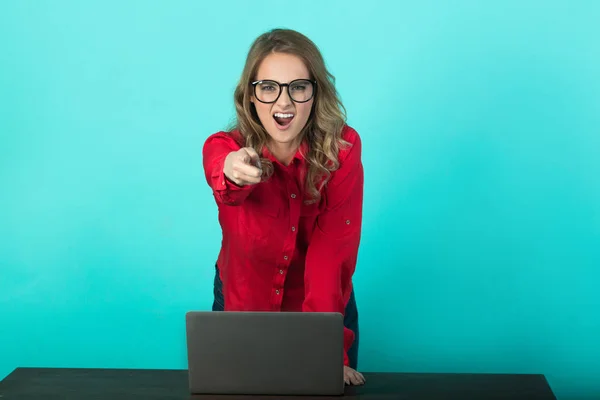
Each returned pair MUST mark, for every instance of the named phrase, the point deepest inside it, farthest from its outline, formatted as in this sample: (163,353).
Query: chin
(283,137)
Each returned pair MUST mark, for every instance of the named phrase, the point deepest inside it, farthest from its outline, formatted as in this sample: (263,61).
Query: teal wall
(481,131)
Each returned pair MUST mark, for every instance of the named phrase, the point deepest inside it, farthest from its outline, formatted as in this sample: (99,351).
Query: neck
(284,152)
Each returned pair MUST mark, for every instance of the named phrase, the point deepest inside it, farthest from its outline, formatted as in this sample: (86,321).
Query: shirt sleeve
(333,249)
(214,151)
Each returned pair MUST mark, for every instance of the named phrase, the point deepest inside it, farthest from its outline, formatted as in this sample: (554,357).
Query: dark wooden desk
(118,384)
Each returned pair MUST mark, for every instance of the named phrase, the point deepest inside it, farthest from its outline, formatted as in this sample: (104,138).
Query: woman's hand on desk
(353,377)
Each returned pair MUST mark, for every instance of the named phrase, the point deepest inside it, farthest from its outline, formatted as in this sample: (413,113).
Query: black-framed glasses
(299,90)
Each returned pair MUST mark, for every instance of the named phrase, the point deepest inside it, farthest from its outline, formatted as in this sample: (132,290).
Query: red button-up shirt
(279,253)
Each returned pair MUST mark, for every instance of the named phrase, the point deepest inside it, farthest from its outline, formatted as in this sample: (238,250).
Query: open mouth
(283,120)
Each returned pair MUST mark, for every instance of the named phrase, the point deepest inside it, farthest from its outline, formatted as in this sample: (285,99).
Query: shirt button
(285,257)
(293,229)
(293,195)
(277,291)
(281,272)
(347,222)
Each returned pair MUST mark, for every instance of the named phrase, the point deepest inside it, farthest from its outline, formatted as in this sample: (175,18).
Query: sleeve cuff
(225,190)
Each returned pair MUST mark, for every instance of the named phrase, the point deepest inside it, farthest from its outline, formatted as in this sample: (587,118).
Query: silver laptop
(267,353)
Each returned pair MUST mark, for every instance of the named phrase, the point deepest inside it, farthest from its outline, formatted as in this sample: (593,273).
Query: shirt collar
(300,153)
(302,149)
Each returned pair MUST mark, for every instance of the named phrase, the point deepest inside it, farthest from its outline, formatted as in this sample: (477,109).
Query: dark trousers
(350,316)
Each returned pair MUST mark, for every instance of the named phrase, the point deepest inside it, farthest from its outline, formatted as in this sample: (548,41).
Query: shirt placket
(285,259)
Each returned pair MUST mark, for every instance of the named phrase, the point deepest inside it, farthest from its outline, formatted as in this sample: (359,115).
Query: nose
(284,99)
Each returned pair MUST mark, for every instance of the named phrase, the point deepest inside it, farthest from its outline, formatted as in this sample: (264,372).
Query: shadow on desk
(120,384)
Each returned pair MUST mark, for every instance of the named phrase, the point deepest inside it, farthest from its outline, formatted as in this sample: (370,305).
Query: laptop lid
(268,353)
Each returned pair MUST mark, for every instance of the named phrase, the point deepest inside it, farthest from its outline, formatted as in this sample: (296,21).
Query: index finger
(253,156)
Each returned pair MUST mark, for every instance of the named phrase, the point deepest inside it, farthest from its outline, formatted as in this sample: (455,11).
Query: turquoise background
(481,130)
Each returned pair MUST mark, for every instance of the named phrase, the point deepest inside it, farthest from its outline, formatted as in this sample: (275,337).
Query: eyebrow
(273,80)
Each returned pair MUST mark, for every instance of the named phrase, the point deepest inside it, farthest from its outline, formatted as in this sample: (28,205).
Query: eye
(267,88)
(298,88)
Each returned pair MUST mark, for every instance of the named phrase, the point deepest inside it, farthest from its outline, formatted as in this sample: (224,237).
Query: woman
(288,182)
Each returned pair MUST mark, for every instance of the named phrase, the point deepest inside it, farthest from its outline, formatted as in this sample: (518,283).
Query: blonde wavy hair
(323,131)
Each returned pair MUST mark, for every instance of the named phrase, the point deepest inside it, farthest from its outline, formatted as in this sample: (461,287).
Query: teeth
(280,115)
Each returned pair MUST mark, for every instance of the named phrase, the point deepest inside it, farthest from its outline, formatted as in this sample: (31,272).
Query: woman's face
(285,118)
